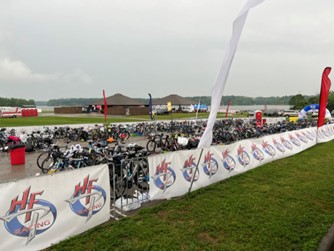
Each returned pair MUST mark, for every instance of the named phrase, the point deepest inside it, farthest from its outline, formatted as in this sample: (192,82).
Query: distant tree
(72,102)
(313,100)
(16,102)
(298,102)
(330,103)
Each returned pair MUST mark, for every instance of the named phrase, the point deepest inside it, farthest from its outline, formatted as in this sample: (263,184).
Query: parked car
(272,113)
(161,111)
(290,113)
(250,113)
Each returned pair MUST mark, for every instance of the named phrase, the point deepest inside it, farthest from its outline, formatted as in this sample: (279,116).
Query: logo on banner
(269,149)
(278,146)
(189,168)
(210,165)
(164,175)
(301,138)
(257,153)
(243,156)
(308,135)
(87,199)
(29,216)
(228,161)
(325,132)
(294,141)
(286,143)
(312,133)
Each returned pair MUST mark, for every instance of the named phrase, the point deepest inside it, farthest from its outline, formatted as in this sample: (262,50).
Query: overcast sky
(52,49)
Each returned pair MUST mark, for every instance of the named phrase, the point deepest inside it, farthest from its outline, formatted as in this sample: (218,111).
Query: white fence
(39,211)
(171,174)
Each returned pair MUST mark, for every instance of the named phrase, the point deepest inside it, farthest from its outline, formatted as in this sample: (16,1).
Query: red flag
(325,86)
(105,108)
(228,106)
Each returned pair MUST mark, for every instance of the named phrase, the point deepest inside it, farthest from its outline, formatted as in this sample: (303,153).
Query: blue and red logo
(278,146)
(294,141)
(286,143)
(210,165)
(308,135)
(87,199)
(325,131)
(164,175)
(243,156)
(228,161)
(301,138)
(269,149)
(257,153)
(190,171)
(29,216)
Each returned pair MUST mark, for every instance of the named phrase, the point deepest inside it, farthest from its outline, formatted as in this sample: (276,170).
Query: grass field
(91,119)
(284,205)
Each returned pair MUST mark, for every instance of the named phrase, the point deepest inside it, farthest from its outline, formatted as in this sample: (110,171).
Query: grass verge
(284,205)
(87,119)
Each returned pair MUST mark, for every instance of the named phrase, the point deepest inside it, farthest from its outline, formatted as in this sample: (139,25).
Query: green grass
(87,119)
(284,205)
(60,120)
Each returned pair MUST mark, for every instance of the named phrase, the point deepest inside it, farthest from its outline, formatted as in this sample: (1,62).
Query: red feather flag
(105,108)
(228,106)
(325,86)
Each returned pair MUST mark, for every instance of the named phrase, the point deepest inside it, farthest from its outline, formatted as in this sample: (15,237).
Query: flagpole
(105,108)
(228,106)
(150,106)
(199,102)
(196,169)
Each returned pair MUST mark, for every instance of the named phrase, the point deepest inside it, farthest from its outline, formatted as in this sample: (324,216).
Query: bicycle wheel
(117,185)
(48,165)
(150,146)
(43,156)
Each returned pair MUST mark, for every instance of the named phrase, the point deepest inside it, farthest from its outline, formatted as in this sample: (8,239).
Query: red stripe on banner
(105,108)
(325,86)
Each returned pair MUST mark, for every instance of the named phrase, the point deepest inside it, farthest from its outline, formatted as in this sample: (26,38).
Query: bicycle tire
(47,164)
(150,146)
(41,158)
(117,186)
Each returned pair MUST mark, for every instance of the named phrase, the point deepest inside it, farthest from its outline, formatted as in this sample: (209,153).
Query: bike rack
(132,196)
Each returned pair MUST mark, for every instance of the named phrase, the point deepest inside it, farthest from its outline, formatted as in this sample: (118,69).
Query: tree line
(296,102)
(299,101)
(16,102)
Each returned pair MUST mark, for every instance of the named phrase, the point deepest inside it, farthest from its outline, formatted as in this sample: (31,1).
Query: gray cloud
(61,48)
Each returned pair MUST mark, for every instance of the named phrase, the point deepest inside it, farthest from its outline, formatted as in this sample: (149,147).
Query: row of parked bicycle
(128,163)
(162,136)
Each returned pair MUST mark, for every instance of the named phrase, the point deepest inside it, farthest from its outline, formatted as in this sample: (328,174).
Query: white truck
(10,112)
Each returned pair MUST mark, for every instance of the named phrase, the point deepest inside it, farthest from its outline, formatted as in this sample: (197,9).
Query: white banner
(325,133)
(40,211)
(171,173)
(218,88)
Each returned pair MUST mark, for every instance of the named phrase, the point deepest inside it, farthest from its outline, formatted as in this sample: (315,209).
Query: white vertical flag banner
(218,88)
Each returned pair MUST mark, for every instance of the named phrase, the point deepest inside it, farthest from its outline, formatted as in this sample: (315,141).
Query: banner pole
(196,169)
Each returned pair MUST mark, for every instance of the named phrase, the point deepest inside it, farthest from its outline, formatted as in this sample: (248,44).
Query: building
(178,103)
(119,104)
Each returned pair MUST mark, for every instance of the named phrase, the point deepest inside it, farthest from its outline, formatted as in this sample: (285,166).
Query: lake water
(255,107)
(46,108)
